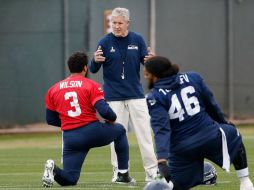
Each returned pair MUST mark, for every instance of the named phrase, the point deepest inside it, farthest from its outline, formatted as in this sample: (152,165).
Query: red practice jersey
(74,99)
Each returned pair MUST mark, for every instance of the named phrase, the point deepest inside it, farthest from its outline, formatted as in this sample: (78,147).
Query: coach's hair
(77,61)
(119,11)
(161,67)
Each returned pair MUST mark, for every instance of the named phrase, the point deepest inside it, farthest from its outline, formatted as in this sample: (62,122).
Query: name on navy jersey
(183,78)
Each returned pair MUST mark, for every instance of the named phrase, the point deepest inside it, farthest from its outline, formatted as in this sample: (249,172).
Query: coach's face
(151,79)
(120,26)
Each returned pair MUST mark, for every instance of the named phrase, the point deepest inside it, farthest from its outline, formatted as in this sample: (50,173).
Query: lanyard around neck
(123,54)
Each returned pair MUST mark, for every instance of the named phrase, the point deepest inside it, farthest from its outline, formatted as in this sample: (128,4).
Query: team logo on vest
(112,50)
(133,47)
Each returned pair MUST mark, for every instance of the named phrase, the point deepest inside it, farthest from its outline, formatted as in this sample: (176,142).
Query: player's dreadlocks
(161,67)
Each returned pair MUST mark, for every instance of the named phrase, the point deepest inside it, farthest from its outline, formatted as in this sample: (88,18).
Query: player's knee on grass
(69,179)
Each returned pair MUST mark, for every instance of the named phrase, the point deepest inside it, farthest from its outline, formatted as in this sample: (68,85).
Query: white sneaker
(246,184)
(246,187)
(115,172)
(48,176)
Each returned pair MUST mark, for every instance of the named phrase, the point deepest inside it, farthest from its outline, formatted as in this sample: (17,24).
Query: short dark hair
(161,67)
(77,61)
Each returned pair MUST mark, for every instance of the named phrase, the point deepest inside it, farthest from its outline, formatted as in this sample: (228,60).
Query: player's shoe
(246,184)
(246,187)
(48,176)
(115,171)
(125,179)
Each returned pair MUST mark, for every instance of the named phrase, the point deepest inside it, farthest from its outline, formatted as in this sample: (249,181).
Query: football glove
(164,170)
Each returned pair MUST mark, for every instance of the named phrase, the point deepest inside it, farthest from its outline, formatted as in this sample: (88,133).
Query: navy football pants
(78,142)
(187,166)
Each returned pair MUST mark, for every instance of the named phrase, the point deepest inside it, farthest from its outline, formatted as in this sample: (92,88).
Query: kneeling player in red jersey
(71,104)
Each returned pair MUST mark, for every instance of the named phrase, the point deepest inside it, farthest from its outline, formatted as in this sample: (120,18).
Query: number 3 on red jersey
(73,103)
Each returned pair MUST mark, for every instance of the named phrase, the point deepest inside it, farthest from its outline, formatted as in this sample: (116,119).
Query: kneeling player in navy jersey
(71,104)
(189,126)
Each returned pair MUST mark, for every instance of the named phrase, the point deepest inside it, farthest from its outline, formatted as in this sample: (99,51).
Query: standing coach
(120,53)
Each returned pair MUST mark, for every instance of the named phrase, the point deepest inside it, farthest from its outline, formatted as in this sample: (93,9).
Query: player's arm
(99,103)
(52,118)
(211,105)
(104,110)
(97,60)
(161,129)
(160,126)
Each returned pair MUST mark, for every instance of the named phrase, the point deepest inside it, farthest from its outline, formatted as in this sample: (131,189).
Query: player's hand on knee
(164,170)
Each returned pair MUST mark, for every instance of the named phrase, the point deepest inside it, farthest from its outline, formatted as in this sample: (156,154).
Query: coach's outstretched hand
(98,55)
(150,54)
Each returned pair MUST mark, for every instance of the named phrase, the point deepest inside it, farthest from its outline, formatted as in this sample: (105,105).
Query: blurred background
(212,37)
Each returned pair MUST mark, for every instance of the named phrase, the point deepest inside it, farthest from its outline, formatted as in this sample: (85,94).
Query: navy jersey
(121,69)
(183,113)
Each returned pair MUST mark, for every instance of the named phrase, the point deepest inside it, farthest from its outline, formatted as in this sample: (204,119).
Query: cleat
(124,179)
(246,184)
(48,176)
(245,187)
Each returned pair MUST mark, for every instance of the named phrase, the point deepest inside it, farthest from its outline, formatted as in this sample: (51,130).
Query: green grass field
(22,159)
